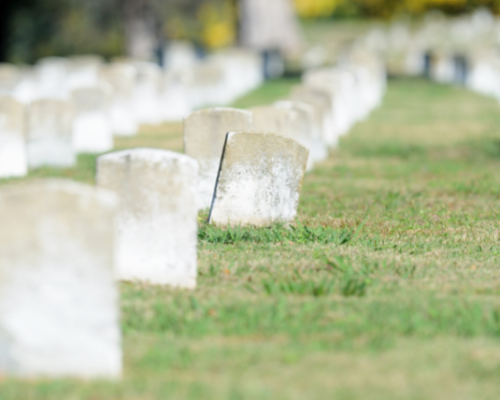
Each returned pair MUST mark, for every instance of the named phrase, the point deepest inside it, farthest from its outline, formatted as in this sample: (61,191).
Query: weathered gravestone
(204,135)
(59,311)
(259,181)
(49,134)
(92,130)
(13,161)
(157,219)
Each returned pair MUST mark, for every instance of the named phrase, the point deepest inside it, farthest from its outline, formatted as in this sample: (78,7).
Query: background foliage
(387,8)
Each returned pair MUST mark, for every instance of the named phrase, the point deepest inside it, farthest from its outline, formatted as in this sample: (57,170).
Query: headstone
(207,86)
(259,180)
(157,218)
(322,102)
(121,77)
(84,71)
(92,130)
(49,140)
(59,314)
(204,135)
(10,75)
(179,55)
(13,161)
(309,129)
(52,75)
(175,95)
(147,95)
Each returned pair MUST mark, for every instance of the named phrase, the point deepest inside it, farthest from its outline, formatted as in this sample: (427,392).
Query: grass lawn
(387,287)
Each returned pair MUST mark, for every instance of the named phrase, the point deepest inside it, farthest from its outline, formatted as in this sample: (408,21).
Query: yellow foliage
(316,8)
(324,8)
(218,24)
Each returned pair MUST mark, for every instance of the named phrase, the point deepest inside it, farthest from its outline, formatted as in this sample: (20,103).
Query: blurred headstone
(179,55)
(49,137)
(13,160)
(59,314)
(121,77)
(147,95)
(158,214)
(204,135)
(322,101)
(92,130)
(259,180)
(52,74)
(10,75)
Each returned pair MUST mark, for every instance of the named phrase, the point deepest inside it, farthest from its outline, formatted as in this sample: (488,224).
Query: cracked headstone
(259,180)
(204,135)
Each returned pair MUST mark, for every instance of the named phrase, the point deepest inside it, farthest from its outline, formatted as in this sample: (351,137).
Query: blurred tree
(141,28)
(269,25)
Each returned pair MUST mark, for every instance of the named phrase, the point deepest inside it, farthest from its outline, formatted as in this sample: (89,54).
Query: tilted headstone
(49,141)
(121,77)
(259,180)
(204,135)
(59,314)
(92,130)
(13,161)
(157,218)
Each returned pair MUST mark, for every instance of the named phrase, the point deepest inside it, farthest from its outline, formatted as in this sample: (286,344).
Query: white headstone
(84,71)
(259,180)
(13,161)
(175,95)
(92,130)
(10,75)
(59,313)
(309,129)
(204,135)
(52,75)
(121,77)
(157,219)
(321,100)
(49,140)
(147,95)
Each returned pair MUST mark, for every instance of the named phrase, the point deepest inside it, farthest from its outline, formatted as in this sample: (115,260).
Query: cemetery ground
(387,287)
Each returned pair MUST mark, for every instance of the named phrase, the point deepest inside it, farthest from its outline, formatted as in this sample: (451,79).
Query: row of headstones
(67,243)
(316,114)
(63,107)
(460,50)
